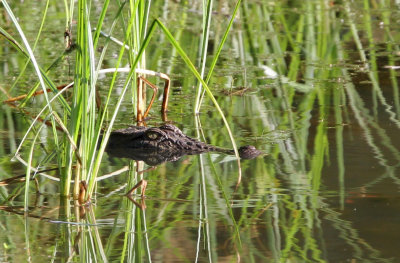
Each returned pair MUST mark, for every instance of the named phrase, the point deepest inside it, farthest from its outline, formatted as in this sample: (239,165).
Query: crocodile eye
(152,135)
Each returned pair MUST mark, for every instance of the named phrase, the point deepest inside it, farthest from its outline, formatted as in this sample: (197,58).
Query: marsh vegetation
(312,84)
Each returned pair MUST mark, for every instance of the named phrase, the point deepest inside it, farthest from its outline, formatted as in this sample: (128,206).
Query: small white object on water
(269,72)
(392,67)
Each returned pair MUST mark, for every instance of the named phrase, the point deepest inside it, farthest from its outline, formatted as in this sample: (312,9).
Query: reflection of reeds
(318,39)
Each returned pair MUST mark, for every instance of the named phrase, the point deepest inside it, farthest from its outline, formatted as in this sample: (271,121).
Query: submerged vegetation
(309,74)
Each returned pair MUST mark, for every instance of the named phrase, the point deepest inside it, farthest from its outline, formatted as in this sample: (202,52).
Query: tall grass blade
(193,69)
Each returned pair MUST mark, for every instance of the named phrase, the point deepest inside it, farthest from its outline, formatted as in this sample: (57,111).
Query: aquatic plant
(298,65)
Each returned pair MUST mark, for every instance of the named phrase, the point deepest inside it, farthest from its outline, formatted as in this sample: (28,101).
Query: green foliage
(298,66)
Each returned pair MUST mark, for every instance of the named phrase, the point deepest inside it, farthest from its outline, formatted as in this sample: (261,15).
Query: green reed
(315,34)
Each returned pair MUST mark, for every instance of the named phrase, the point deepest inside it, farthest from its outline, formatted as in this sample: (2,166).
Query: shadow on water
(313,84)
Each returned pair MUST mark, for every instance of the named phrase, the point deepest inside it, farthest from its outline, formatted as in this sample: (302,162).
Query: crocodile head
(155,145)
(164,138)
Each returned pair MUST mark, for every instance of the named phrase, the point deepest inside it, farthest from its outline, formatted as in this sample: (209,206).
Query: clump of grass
(79,149)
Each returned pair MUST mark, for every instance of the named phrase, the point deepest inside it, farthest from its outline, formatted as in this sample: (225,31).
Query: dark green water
(327,190)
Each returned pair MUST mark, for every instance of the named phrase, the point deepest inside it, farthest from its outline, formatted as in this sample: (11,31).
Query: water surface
(327,189)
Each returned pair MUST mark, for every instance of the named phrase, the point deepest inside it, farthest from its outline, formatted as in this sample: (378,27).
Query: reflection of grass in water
(326,47)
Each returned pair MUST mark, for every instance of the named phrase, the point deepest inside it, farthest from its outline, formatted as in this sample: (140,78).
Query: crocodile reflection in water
(166,143)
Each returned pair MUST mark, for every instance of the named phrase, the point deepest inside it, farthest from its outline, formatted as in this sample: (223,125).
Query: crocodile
(155,145)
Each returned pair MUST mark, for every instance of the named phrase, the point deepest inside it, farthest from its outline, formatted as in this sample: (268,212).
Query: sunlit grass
(293,48)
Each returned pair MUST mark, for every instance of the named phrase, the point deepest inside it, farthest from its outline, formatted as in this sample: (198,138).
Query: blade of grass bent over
(205,86)
(38,116)
(197,75)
